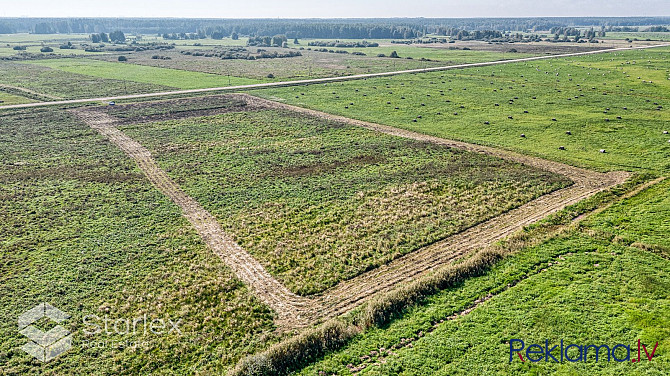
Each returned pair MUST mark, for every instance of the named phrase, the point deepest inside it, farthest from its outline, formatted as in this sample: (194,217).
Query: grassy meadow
(318,202)
(83,230)
(585,95)
(573,287)
(141,74)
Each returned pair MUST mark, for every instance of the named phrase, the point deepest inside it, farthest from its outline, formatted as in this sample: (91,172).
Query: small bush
(296,352)
(123,58)
(46,49)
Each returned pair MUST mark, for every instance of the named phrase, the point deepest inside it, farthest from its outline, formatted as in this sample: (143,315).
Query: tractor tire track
(295,311)
(286,304)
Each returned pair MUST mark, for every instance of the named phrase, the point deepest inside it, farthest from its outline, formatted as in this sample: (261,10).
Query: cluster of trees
(114,37)
(338,43)
(183,36)
(564,33)
(128,48)
(266,41)
(243,53)
(658,29)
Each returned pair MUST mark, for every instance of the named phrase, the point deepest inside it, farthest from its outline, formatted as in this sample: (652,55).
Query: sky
(331,8)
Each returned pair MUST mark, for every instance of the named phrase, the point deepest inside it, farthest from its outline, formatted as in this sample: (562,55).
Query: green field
(85,231)
(417,51)
(572,288)
(22,38)
(142,74)
(576,92)
(9,99)
(310,65)
(69,85)
(319,202)
(640,35)
(642,219)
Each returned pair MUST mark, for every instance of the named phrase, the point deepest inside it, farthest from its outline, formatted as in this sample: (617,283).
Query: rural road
(318,80)
(295,311)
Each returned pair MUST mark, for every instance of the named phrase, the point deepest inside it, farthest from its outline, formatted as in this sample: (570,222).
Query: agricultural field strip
(349,294)
(28,91)
(320,80)
(251,272)
(296,311)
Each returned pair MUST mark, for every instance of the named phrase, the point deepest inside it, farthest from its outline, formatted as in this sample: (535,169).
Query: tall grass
(294,353)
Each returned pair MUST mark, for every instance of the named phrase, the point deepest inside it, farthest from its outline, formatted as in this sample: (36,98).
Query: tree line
(382,28)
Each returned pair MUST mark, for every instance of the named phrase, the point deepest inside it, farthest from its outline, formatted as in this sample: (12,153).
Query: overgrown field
(584,286)
(615,102)
(82,229)
(310,65)
(318,202)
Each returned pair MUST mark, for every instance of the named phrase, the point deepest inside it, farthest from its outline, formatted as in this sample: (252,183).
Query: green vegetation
(68,85)
(142,74)
(664,36)
(641,220)
(572,288)
(417,51)
(574,91)
(82,229)
(318,202)
(8,99)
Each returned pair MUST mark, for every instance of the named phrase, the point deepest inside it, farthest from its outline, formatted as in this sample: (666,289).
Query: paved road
(319,80)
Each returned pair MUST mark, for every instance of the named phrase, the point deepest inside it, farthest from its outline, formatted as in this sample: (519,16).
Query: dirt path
(348,294)
(295,311)
(321,80)
(287,305)
(14,89)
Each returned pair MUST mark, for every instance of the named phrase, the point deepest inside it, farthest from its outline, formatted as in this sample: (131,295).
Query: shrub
(298,351)
(123,58)
(19,48)
(46,49)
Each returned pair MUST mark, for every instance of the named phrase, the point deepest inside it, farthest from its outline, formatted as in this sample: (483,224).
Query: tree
(117,37)
(217,35)
(234,36)
(278,40)
(95,38)
(394,55)
(295,41)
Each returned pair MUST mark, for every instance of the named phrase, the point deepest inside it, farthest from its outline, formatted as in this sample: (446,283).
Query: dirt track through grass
(295,311)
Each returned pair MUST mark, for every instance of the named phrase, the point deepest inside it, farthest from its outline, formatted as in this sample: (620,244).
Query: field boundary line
(350,293)
(286,304)
(322,80)
(295,311)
